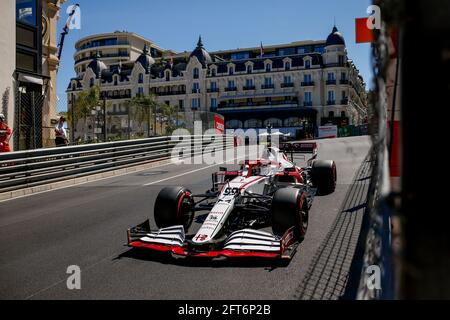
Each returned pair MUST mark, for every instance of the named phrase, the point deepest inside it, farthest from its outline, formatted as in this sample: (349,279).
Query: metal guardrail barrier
(36,167)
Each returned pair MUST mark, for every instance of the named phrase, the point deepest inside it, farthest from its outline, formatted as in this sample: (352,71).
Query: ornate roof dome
(145,59)
(335,38)
(200,52)
(97,65)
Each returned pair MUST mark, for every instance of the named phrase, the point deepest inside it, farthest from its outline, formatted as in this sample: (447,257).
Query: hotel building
(294,87)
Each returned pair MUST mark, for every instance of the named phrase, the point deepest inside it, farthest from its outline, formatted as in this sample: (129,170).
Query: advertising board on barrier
(328,132)
(219,124)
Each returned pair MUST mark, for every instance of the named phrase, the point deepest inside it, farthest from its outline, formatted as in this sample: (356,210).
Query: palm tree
(143,108)
(85,103)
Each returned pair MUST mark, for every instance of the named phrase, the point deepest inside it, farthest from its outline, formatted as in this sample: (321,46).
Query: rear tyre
(324,176)
(174,206)
(290,209)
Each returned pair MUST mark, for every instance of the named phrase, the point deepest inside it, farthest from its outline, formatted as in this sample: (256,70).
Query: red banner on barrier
(219,124)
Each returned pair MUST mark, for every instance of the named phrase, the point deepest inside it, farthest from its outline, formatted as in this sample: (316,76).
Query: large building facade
(28,75)
(295,87)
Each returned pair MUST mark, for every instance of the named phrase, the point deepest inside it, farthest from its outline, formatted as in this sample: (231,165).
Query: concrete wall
(8,59)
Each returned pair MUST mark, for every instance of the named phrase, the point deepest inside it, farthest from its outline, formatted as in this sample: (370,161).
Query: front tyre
(290,209)
(174,206)
(324,176)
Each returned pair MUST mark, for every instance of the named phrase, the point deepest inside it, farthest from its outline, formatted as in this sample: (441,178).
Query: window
(307,64)
(268,67)
(240,55)
(195,103)
(213,103)
(167,75)
(331,114)
(249,69)
(287,66)
(331,76)
(231,84)
(286,51)
(308,97)
(26,11)
(231,71)
(116,80)
(253,123)
(249,83)
(213,86)
(181,104)
(234,124)
(196,73)
(331,96)
(91,82)
(287,79)
(213,72)
(307,78)
(196,87)
(341,60)
(292,122)
(140,91)
(343,76)
(274,122)
(141,78)
(343,95)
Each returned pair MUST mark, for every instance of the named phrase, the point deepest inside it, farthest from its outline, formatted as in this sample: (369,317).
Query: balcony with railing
(331,82)
(344,101)
(245,88)
(331,102)
(292,103)
(307,83)
(211,90)
(170,93)
(230,89)
(106,55)
(268,86)
(104,44)
(343,81)
(287,85)
(307,103)
(196,91)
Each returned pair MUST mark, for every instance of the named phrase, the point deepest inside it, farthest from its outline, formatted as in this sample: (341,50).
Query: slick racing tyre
(290,209)
(174,206)
(324,176)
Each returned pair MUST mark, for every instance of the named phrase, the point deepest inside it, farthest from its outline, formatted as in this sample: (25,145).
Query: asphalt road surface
(41,235)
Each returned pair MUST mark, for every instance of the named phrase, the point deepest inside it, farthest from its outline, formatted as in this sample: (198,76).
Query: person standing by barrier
(61,133)
(5,133)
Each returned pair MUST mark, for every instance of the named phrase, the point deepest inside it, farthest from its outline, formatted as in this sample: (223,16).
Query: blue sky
(226,24)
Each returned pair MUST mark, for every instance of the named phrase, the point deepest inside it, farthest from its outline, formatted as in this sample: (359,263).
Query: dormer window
(116,80)
(213,72)
(268,67)
(249,69)
(167,75)
(287,66)
(307,64)
(141,78)
(230,71)
(196,73)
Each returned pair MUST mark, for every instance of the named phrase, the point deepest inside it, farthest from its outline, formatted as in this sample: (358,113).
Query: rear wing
(302,148)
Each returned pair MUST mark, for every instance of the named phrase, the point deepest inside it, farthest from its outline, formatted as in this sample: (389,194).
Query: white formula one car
(271,191)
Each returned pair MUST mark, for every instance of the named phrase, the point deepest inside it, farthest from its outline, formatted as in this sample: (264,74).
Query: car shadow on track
(167,258)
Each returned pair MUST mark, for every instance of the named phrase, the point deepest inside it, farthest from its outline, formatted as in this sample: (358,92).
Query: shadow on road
(167,258)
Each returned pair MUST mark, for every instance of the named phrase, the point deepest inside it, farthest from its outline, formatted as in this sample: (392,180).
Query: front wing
(241,243)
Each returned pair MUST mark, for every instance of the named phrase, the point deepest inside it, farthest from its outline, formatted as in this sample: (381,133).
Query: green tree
(143,110)
(86,102)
